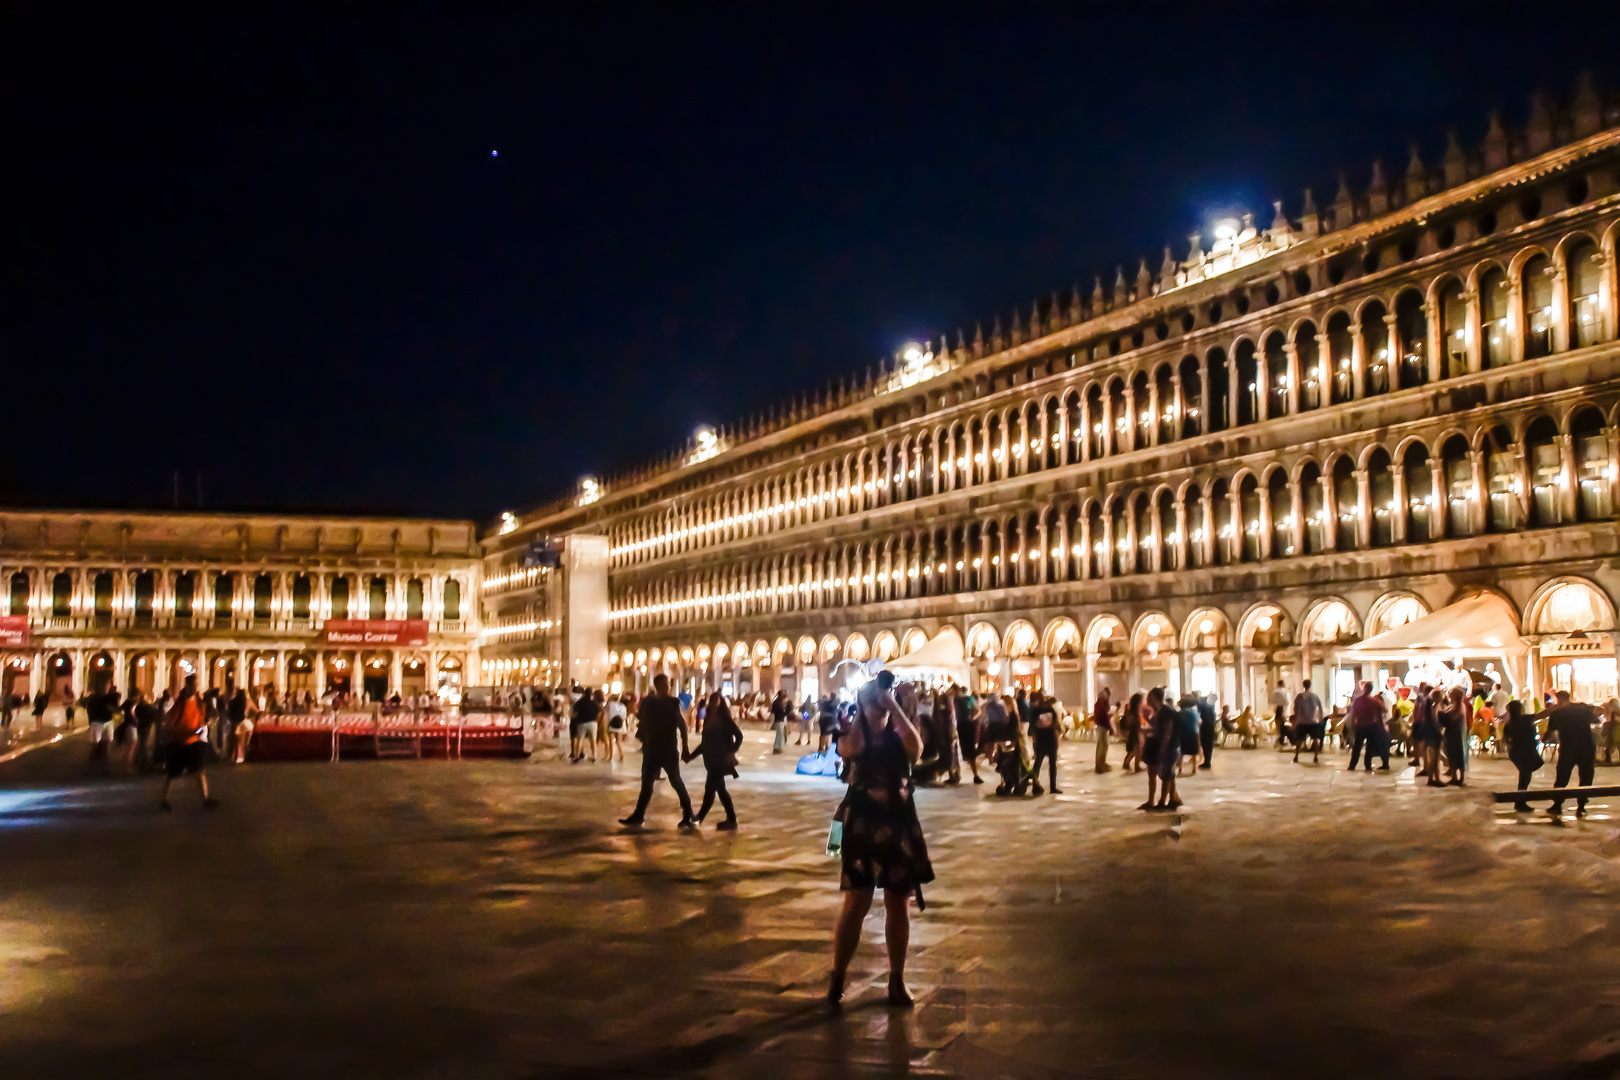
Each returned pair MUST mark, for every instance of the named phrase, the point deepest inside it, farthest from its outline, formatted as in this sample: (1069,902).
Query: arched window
(1280,504)
(1193,511)
(1143,513)
(992,467)
(1097,551)
(262,588)
(1169,408)
(1412,338)
(145,588)
(62,595)
(1347,497)
(1052,450)
(1315,532)
(1120,525)
(1310,367)
(1381,485)
(1585,283)
(224,591)
(1248,387)
(377,593)
(413,598)
(1249,511)
(1505,493)
(1420,493)
(1192,398)
(1592,470)
(1119,413)
(1075,556)
(1220,502)
(1537,282)
(1340,346)
(1219,398)
(19,594)
(1094,412)
(1276,376)
(1453,329)
(1546,472)
(1459,478)
(102,589)
(1170,540)
(1141,401)
(1375,336)
(300,597)
(1495,299)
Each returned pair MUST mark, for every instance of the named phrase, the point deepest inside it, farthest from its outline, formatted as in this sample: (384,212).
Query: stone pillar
(1440,504)
(79,681)
(1516,318)
(1330,513)
(1105,563)
(1434,342)
(1086,420)
(1206,398)
(1479,494)
(1568,477)
(1206,506)
(1364,509)
(244,676)
(281,671)
(1234,387)
(1153,412)
(1268,530)
(1395,362)
(1358,362)
(1296,511)
(1235,541)
(1401,516)
(1129,439)
(1560,306)
(396,674)
(1291,351)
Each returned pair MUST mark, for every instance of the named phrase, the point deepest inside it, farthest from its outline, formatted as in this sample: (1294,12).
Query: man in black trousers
(1571,722)
(660,726)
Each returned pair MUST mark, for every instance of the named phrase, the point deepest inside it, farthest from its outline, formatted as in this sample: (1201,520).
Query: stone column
(1296,511)
(1401,516)
(1105,562)
(1153,412)
(1560,306)
(1086,420)
(1434,341)
(244,675)
(1156,536)
(1568,477)
(1291,351)
(1129,442)
(1043,537)
(1330,513)
(1206,398)
(1206,507)
(281,671)
(1479,493)
(1178,408)
(1364,510)
(1440,506)
(1268,529)
(1235,542)
(1358,362)
(1234,387)
(1184,538)
(1395,363)
(396,674)
(1517,325)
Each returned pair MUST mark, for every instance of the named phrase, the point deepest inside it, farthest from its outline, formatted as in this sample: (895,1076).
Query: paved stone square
(434,919)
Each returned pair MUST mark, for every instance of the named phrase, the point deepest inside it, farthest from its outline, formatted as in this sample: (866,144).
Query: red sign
(13,631)
(405,633)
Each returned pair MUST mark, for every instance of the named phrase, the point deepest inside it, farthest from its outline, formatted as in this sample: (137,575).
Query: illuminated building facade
(140,600)
(1215,475)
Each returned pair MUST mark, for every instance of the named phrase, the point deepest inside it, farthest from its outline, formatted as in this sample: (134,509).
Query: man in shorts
(585,713)
(188,744)
(100,709)
(967,729)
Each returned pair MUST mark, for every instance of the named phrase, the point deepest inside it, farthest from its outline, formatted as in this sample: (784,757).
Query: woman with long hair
(883,846)
(718,746)
(1130,729)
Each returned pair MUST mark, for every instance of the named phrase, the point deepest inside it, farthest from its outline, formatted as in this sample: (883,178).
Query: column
(1268,529)
(79,680)
(1234,388)
(1296,511)
(396,675)
(1206,399)
(1128,442)
(244,675)
(1478,494)
(1178,407)
(1435,345)
(1235,542)
(1516,321)
(1153,412)
(1364,510)
(1291,351)
(1440,506)
(1560,306)
(1105,562)
(1567,476)
(1086,421)
(1330,514)
(1358,362)
(1206,506)
(281,671)
(1395,366)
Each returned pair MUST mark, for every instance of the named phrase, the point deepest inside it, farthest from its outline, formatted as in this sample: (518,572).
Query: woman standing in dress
(1454,731)
(883,844)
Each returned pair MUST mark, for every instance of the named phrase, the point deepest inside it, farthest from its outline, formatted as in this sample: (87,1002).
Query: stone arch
(1103,627)
(885,646)
(912,640)
(1329,613)
(1060,634)
(982,640)
(1194,636)
(1568,603)
(1021,639)
(1394,609)
(856,646)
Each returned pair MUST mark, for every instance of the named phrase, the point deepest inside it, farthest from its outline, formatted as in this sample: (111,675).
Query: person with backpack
(1043,728)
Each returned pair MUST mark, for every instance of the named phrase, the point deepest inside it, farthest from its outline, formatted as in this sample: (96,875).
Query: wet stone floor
(473,920)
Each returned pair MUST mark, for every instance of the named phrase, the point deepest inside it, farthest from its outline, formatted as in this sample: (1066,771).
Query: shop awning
(1480,626)
(941,656)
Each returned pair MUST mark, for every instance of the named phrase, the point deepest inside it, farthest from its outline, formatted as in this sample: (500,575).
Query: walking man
(1103,719)
(188,744)
(1577,749)
(662,731)
(1367,714)
(780,707)
(1308,718)
(1043,729)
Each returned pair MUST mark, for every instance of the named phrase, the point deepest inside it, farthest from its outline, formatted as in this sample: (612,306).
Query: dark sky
(275,247)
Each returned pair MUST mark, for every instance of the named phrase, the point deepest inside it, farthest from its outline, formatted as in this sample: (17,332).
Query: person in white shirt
(1499,702)
(1279,707)
(1308,718)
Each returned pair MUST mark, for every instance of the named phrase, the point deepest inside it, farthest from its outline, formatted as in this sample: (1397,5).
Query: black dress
(883,846)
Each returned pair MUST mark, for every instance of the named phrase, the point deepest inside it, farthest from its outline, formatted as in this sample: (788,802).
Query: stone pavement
(473,920)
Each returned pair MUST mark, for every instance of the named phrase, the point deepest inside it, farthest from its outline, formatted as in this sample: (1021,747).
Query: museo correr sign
(405,633)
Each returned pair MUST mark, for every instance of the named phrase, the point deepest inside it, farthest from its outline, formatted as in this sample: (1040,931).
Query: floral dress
(883,846)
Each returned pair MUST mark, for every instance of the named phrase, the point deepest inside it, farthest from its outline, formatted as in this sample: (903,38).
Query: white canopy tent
(1482,627)
(940,657)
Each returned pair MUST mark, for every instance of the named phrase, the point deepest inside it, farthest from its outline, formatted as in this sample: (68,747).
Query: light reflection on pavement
(491,919)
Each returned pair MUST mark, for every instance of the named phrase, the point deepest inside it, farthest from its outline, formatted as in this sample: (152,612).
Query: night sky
(280,251)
